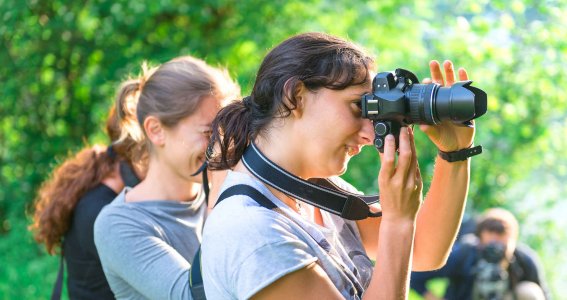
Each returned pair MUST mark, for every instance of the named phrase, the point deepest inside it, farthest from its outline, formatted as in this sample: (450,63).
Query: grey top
(247,247)
(146,248)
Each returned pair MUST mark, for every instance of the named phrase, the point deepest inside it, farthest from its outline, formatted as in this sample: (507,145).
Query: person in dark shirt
(488,264)
(68,203)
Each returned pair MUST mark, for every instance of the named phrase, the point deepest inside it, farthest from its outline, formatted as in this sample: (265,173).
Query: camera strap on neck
(203,171)
(320,192)
(128,175)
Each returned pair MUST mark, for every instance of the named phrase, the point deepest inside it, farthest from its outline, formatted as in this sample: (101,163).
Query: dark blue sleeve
(453,267)
(531,267)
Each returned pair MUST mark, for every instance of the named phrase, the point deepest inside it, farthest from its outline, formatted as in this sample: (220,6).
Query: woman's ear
(297,91)
(154,130)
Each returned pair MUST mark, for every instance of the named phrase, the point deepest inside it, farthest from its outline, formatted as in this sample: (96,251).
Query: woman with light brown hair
(69,201)
(148,235)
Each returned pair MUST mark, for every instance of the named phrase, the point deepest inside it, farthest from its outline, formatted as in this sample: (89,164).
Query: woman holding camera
(148,235)
(304,116)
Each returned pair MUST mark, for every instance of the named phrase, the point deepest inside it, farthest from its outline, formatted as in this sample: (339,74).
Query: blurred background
(61,63)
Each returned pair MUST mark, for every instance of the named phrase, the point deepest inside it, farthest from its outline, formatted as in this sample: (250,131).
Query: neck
(285,153)
(163,184)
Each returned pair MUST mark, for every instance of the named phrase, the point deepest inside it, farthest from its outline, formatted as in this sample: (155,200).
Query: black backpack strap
(244,189)
(195,279)
(195,275)
(58,287)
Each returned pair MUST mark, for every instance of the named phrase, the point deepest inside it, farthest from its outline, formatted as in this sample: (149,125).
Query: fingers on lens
(449,71)
(463,74)
(436,74)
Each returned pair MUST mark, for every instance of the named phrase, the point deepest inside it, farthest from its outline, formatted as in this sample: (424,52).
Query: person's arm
(138,256)
(455,267)
(310,282)
(442,211)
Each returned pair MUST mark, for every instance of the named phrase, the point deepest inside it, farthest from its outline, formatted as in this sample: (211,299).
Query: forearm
(390,279)
(440,216)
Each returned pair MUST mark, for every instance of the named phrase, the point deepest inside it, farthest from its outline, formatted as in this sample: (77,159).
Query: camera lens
(421,97)
(432,104)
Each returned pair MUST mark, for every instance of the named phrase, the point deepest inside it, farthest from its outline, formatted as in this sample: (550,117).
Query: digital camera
(397,99)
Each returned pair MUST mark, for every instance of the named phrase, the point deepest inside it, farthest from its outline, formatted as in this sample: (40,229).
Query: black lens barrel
(432,104)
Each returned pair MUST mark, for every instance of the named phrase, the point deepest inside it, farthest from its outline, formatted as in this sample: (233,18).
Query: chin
(337,170)
(342,170)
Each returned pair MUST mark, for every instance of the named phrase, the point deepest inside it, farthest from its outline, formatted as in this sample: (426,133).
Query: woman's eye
(207,132)
(357,106)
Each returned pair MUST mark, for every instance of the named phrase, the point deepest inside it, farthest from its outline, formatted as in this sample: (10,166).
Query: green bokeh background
(61,62)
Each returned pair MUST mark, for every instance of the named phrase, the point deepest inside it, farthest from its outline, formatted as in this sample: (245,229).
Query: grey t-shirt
(146,248)
(247,247)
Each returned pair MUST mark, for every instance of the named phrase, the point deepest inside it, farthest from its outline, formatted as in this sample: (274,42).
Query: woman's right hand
(400,183)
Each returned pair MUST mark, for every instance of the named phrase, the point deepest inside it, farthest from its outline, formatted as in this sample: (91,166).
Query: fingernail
(390,137)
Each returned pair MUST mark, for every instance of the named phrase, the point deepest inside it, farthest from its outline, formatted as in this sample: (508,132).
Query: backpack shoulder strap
(58,286)
(247,190)
(195,274)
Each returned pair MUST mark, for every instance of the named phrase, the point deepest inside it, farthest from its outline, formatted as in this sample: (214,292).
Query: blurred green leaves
(61,62)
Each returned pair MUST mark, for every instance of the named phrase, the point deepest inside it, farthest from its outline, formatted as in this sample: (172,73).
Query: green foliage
(63,60)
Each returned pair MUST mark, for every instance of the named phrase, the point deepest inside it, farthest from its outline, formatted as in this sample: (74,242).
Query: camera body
(493,252)
(491,280)
(397,99)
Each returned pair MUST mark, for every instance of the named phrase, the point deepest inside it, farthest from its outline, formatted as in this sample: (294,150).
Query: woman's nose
(366,133)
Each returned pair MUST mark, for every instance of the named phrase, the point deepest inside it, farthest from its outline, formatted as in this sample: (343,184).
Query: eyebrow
(358,95)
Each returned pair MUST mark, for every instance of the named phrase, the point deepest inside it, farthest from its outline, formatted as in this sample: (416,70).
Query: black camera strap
(203,171)
(128,175)
(319,192)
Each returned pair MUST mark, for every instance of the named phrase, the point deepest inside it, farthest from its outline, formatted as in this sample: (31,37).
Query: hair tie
(248,103)
(110,152)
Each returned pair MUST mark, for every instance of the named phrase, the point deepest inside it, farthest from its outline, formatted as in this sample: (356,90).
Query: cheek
(200,144)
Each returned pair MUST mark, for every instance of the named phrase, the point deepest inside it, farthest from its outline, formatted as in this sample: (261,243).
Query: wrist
(460,155)
(399,222)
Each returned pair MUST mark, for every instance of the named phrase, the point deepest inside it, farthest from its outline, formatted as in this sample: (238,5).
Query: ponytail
(59,195)
(232,131)
(127,136)
(126,101)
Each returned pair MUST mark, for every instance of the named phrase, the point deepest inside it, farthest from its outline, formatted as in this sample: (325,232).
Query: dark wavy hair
(314,60)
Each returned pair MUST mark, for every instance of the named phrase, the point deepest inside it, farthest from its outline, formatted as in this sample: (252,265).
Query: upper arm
(310,282)
(140,258)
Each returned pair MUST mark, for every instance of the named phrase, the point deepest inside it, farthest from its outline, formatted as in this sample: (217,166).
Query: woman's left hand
(447,136)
